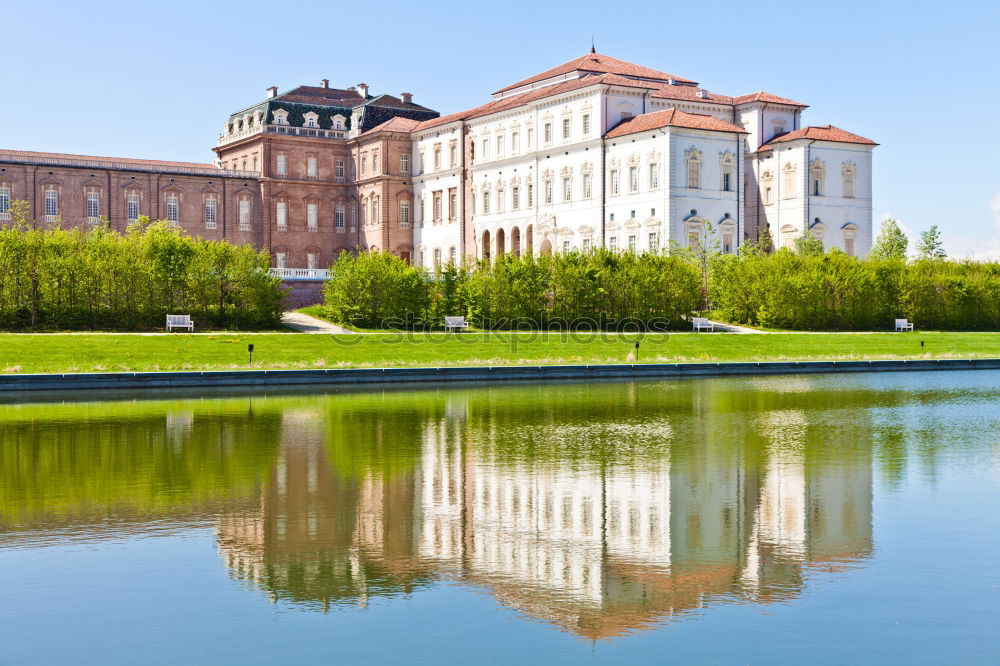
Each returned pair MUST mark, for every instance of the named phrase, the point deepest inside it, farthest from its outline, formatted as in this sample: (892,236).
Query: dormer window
(310,119)
(280,117)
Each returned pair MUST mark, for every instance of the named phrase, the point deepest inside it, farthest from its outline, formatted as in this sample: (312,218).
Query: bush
(101,279)
(376,290)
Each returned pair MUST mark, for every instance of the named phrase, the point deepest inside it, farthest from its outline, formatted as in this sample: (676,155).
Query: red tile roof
(671,118)
(38,156)
(599,64)
(396,124)
(321,96)
(766,97)
(825,133)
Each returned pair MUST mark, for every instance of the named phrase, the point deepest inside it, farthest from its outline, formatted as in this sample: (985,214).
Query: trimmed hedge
(70,279)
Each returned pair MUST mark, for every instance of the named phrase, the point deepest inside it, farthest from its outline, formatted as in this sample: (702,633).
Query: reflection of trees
(602,508)
(97,461)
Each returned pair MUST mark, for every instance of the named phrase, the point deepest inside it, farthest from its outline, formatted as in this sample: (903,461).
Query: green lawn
(109,352)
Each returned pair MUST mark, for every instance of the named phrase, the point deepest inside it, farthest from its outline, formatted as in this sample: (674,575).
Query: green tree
(808,245)
(891,243)
(930,244)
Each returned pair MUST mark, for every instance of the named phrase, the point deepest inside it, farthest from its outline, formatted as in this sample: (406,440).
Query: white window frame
(588,185)
(211,212)
(614,181)
(633,178)
(281,215)
(404,164)
(93,206)
(312,167)
(4,202)
(567,183)
(245,209)
(404,214)
(339,217)
(132,202)
(312,216)
(51,205)
(654,176)
(173,208)
(281,165)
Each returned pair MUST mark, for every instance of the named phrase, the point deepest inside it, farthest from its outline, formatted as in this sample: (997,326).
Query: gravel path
(303,323)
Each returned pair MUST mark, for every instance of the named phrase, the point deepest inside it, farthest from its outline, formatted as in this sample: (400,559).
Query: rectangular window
(404,214)
(452,203)
(375,216)
(338,221)
(767,196)
(281,259)
(437,158)
(499,146)
(375,162)
(654,241)
(500,200)
(453,155)
(281,215)
(565,129)
(566,247)
(51,205)
(849,184)
(173,208)
(586,244)
(244,214)
(404,165)
(281,165)
(587,185)
(515,198)
(531,137)
(614,181)
(311,168)
(849,247)
(312,216)
(633,179)
(312,260)
(486,149)
(727,243)
(4,202)
(548,133)
(364,165)
(693,174)
(789,185)
(93,207)
(531,194)
(547,193)
(437,207)
(586,124)
(631,242)
(486,203)
(210,213)
(132,206)
(339,169)
(654,176)
(613,243)
(515,143)
(567,189)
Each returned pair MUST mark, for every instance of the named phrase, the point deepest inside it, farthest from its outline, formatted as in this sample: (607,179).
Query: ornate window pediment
(547,174)
(727,158)
(692,154)
(566,171)
(586,167)
(615,163)
(789,166)
(653,156)
(515,181)
(633,159)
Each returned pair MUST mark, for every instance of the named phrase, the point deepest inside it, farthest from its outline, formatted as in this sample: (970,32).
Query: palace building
(596,152)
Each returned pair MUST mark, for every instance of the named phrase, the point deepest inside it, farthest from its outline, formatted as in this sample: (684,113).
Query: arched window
(486,244)
(817,177)
(849,173)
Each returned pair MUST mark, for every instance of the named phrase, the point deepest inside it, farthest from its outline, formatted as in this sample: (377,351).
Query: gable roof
(117,163)
(671,118)
(824,133)
(598,64)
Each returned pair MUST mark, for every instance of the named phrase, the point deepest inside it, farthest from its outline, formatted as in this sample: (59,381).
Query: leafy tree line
(57,278)
(599,289)
(812,290)
(804,289)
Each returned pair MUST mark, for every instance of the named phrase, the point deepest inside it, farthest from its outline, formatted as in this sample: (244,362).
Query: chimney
(325,83)
(407,98)
(272,92)
(363,90)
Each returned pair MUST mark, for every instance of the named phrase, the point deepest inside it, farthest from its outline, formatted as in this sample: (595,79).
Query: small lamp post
(250,349)
(636,350)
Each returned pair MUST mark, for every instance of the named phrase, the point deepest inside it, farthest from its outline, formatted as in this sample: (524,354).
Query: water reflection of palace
(597,544)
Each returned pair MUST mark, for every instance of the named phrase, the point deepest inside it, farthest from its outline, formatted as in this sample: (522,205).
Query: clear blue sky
(157,80)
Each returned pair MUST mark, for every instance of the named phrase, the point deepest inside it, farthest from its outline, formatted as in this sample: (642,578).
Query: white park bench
(903,325)
(702,324)
(179,321)
(454,323)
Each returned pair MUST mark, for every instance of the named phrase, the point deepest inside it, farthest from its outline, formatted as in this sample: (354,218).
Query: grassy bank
(28,353)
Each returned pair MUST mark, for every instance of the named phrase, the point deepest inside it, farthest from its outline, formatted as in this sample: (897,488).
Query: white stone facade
(588,155)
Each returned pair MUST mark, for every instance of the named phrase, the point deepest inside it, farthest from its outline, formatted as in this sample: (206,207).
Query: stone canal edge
(529,373)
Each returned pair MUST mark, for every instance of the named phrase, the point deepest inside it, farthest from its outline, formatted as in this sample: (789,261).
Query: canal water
(817,519)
